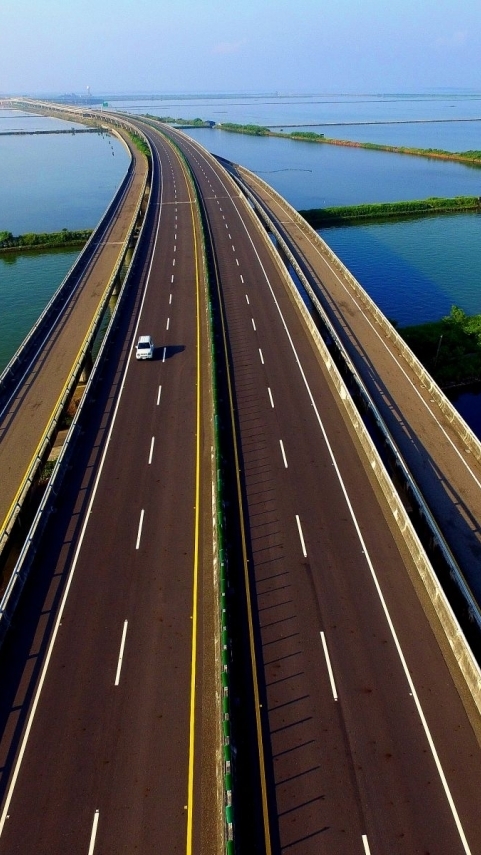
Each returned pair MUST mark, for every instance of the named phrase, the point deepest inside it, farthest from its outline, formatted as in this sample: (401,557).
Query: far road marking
(329,668)
(366,844)
(254,324)
(270,397)
(283,453)
(168,324)
(163,355)
(94,833)
(300,535)
(158,395)
(121,654)
(139,533)
(261,356)
(151,449)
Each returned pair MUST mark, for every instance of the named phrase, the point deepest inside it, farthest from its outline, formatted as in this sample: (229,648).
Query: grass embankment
(140,144)
(450,349)
(190,123)
(43,240)
(472,156)
(318,217)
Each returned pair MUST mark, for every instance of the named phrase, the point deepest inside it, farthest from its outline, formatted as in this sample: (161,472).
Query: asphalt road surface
(370,748)
(102,750)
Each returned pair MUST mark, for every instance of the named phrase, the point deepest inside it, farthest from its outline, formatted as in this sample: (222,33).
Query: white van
(144,348)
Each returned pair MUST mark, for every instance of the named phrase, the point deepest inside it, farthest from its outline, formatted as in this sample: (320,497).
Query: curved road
(369,747)
(106,759)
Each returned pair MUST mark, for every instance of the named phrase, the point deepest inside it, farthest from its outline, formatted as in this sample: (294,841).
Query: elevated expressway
(369,743)
(33,400)
(443,455)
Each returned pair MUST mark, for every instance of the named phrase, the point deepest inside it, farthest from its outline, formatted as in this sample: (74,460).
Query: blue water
(415,270)
(57,181)
(26,284)
(316,176)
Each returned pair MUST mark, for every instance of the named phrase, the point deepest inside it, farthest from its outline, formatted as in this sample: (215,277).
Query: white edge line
(121,653)
(329,667)
(94,833)
(301,536)
(33,709)
(139,531)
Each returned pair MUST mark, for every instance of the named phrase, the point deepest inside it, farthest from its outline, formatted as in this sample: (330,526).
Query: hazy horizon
(249,47)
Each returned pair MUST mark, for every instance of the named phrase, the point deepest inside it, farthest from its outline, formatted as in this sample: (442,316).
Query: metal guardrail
(8,375)
(67,390)
(415,492)
(462,429)
(20,573)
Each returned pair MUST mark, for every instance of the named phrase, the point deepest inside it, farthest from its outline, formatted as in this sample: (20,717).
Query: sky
(239,46)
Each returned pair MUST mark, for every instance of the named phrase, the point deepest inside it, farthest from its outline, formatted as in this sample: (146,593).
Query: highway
(108,709)
(368,744)
(25,408)
(103,757)
(448,474)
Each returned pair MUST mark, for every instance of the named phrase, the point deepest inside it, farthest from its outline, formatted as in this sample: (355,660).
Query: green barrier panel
(230,848)
(226,731)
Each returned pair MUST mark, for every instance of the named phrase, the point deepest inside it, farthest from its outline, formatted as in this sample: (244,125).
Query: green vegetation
(43,240)
(140,144)
(309,136)
(170,120)
(318,217)
(450,349)
(474,156)
(253,130)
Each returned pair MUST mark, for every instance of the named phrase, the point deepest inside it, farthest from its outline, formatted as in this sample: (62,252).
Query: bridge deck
(448,474)
(23,426)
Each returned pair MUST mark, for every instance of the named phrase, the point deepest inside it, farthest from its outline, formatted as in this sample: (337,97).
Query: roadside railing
(467,663)
(20,573)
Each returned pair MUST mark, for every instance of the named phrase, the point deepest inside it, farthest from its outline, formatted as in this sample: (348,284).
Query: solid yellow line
(190,780)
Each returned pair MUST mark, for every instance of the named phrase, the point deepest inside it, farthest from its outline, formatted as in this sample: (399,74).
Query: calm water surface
(52,182)
(26,284)
(415,270)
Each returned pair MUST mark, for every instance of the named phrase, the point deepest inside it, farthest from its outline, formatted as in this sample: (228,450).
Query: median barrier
(465,659)
(221,568)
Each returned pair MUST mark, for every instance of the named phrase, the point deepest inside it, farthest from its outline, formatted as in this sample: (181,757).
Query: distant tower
(89,93)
